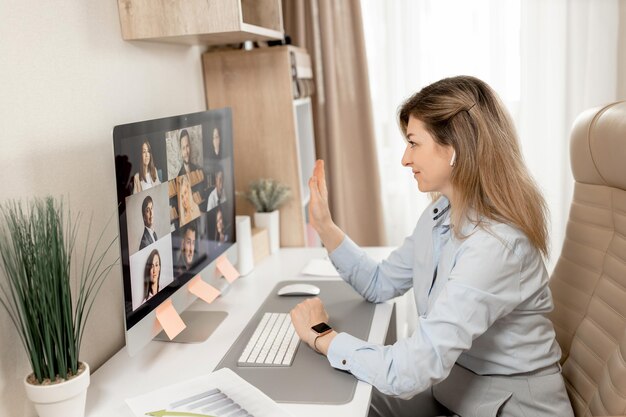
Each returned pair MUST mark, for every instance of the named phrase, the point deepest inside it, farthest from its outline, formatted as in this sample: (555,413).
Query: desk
(162,363)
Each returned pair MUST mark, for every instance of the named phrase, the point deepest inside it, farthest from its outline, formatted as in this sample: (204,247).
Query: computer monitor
(176,197)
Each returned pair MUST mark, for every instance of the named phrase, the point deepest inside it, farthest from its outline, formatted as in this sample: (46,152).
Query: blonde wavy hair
(489,177)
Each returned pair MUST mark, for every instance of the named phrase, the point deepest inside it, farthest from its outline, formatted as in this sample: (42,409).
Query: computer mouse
(298,289)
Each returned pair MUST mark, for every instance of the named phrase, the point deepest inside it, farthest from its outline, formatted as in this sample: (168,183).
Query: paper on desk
(227,269)
(320,268)
(203,290)
(169,319)
(219,393)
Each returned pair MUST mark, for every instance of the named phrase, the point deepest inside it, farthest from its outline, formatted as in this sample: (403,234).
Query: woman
(152,275)
(147,176)
(215,151)
(483,344)
(220,232)
(188,208)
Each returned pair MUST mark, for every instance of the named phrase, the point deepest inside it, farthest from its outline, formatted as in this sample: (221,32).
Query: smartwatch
(321,329)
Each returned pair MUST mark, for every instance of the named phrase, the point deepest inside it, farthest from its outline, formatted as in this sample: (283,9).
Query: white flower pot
(65,399)
(271,222)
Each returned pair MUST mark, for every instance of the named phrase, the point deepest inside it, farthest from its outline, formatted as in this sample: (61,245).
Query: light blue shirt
(486,308)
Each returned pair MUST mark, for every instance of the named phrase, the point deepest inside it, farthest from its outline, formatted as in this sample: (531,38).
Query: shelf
(273,133)
(301,101)
(192,22)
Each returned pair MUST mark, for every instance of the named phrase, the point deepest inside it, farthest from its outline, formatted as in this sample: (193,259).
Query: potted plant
(267,195)
(37,242)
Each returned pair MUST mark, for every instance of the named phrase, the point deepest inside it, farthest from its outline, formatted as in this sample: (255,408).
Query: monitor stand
(200,325)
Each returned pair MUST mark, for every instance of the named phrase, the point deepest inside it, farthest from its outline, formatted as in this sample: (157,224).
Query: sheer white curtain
(548,61)
(569,51)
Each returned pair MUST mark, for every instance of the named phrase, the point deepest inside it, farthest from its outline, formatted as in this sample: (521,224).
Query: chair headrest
(598,146)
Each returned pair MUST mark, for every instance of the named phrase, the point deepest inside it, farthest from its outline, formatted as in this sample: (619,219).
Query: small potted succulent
(267,195)
(49,311)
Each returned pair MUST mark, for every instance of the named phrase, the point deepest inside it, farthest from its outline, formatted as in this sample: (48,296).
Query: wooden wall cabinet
(272,125)
(208,22)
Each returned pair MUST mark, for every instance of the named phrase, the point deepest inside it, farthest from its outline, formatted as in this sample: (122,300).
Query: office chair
(589,280)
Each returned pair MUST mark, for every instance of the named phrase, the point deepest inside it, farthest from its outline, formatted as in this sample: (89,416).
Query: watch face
(321,328)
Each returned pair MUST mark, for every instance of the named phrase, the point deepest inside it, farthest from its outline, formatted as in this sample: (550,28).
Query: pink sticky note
(227,269)
(203,290)
(169,319)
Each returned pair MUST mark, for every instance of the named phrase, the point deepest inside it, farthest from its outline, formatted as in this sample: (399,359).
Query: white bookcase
(272,125)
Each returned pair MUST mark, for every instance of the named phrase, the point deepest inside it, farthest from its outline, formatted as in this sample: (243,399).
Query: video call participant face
(219,225)
(185,146)
(185,194)
(155,270)
(219,182)
(152,274)
(147,212)
(146,155)
(216,141)
(189,246)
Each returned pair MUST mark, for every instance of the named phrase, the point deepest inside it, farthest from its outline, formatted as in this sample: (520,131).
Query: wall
(67,79)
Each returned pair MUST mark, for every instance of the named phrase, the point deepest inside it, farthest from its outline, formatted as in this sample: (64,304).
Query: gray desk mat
(310,378)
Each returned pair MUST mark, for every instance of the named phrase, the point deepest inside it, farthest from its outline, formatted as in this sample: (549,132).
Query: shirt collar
(440,215)
(440,212)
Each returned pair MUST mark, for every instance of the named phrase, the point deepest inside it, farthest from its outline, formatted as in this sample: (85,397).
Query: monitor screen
(175,190)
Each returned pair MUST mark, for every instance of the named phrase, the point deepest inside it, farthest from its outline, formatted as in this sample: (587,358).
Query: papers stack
(222,393)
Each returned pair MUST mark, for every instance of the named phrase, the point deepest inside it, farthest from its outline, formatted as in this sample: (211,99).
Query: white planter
(271,222)
(65,399)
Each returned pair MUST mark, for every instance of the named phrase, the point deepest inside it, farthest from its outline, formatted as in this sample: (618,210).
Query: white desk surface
(161,363)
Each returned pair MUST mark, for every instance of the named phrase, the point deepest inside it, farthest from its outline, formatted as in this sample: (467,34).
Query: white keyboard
(273,343)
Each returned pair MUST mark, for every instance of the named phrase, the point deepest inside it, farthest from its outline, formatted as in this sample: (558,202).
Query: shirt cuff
(342,349)
(345,256)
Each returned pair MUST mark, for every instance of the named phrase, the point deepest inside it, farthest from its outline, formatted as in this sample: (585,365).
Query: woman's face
(429,161)
(145,154)
(185,195)
(155,270)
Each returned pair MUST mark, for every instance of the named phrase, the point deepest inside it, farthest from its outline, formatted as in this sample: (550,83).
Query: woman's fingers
(316,196)
(319,174)
(314,188)
(318,207)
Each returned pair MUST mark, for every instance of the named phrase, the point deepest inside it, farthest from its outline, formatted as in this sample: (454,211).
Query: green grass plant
(37,242)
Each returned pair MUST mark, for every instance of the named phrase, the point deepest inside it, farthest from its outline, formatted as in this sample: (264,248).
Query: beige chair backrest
(589,280)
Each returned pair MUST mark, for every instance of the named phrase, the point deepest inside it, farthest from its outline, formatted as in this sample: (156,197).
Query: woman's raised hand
(319,211)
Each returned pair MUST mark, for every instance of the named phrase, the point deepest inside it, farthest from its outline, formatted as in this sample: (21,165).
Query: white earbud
(453,158)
